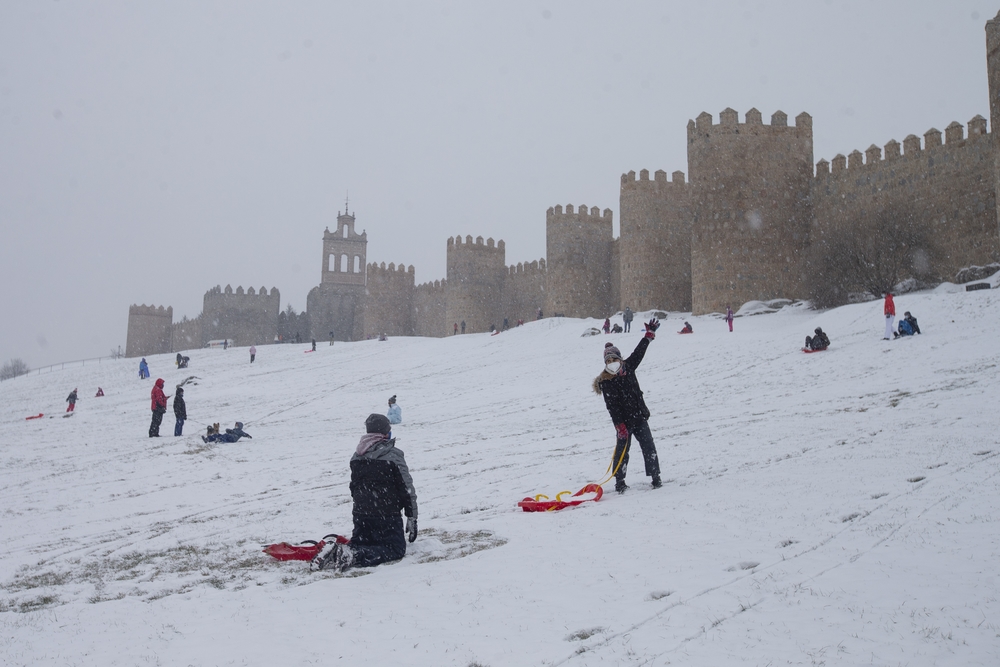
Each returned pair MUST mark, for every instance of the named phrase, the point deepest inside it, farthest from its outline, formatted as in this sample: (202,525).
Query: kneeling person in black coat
(381,486)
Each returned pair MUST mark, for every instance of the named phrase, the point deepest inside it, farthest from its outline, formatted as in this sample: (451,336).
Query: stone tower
(389,301)
(474,288)
(655,242)
(751,185)
(578,259)
(337,303)
(149,330)
(993,78)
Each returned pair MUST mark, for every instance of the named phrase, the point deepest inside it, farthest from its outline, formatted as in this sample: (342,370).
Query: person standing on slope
(629,414)
(890,315)
(143,369)
(159,406)
(627,319)
(381,486)
(729,318)
(71,399)
(253,353)
(180,412)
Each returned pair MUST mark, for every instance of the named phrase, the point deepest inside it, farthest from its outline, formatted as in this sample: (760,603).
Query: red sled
(307,550)
(541,503)
(38,416)
(809,351)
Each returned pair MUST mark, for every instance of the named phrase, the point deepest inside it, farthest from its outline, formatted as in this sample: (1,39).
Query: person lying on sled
(381,486)
(231,435)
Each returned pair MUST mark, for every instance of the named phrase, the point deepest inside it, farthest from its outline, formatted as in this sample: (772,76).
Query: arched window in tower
(343,263)
(345,231)
(357,264)
(331,263)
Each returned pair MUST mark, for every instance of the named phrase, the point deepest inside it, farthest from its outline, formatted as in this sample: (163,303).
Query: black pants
(642,434)
(377,540)
(154,426)
(628,326)
(252,357)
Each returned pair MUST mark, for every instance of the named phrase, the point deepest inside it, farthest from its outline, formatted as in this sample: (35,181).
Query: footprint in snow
(743,565)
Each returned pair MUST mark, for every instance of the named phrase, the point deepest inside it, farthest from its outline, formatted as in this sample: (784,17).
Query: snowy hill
(834,508)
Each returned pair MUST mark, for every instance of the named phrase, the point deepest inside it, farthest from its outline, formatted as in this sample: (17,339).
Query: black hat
(818,330)
(392,399)
(377,423)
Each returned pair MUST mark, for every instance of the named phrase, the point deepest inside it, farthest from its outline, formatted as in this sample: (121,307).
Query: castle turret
(654,248)
(578,257)
(149,330)
(246,318)
(389,301)
(751,207)
(475,283)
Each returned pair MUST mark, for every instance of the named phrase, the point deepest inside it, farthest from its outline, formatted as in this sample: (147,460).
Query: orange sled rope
(542,503)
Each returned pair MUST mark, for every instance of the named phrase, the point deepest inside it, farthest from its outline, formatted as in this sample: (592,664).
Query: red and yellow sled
(542,503)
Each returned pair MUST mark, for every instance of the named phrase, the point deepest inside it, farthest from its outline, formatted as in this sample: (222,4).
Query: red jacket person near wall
(159,406)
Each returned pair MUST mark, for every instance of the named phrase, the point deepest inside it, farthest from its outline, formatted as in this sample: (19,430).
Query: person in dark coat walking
(629,414)
(71,399)
(463,326)
(627,317)
(180,411)
(381,486)
(159,406)
(253,353)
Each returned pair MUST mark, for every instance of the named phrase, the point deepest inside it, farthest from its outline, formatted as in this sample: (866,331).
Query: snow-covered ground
(835,508)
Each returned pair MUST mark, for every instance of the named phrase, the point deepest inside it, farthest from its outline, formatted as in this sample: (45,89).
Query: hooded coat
(381,485)
(622,394)
(159,400)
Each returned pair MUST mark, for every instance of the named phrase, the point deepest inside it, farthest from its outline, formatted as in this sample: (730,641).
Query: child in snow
(890,314)
(623,398)
(395,413)
(231,435)
(607,325)
(253,350)
(687,328)
(180,411)
(182,361)
(100,392)
(143,369)
(729,318)
(71,399)
(159,406)
(381,486)
(818,342)
(907,325)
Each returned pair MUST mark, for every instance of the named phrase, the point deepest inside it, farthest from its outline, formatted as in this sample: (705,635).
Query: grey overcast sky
(150,151)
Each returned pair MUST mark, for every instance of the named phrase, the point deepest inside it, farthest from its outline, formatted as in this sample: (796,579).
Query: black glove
(411,528)
(651,327)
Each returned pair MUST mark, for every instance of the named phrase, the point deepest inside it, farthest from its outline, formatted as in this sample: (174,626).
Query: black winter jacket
(180,408)
(381,484)
(622,394)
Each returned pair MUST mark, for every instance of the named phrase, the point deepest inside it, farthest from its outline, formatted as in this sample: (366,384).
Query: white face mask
(613,367)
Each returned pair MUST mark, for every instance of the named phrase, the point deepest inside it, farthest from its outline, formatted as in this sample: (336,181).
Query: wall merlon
(932,138)
(954,133)
(677,177)
(660,176)
(855,159)
(779,119)
(892,151)
(728,117)
(822,168)
(839,163)
(644,174)
(753,117)
(911,145)
(804,120)
(704,121)
(873,154)
(977,126)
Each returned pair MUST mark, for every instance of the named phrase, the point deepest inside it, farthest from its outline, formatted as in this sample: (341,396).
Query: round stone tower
(578,258)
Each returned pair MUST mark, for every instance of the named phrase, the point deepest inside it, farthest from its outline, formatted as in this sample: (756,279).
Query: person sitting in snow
(182,361)
(381,486)
(629,414)
(907,326)
(100,392)
(687,328)
(395,413)
(617,328)
(818,342)
(231,435)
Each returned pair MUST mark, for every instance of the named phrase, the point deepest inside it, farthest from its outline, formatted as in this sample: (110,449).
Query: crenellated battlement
(582,213)
(630,181)
(375,270)
(218,291)
(432,286)
(153,311)
(455,243)
(954,139)
(526,268)
(729,123)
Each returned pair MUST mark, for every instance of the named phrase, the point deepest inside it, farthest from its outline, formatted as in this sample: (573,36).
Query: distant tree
(13,368)
(880,252)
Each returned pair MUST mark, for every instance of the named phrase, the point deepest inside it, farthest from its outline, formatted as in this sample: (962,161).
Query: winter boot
(326,556)
(344,558)
(620,485)
(656,482)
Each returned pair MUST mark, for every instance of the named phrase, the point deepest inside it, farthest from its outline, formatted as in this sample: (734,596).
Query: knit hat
(377,423)
(392,399)
(611,352)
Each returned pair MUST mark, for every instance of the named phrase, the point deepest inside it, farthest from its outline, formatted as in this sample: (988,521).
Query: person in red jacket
(890,315)
(159,406)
